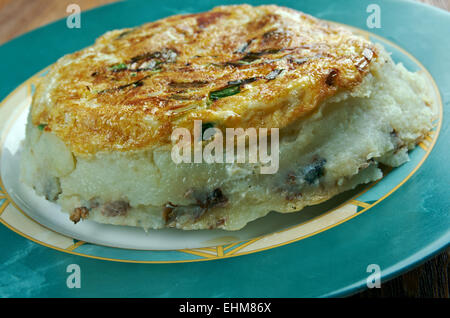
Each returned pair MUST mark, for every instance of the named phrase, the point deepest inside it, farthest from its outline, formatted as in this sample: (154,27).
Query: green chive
(225,92)
(274,74)
(121,35)
(118,67)
(206,126)
(42,126)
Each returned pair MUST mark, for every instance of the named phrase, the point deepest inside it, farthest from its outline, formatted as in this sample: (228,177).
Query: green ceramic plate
(395,223)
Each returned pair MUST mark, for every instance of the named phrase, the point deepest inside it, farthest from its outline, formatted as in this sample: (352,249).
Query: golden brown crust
(133,87)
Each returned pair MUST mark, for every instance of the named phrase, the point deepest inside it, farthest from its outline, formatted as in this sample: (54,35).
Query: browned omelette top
(234,66)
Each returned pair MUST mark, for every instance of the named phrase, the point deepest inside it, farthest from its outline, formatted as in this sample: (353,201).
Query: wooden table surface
(428,280)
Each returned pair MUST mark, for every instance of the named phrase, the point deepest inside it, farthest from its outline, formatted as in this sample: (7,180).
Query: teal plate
(395,223)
